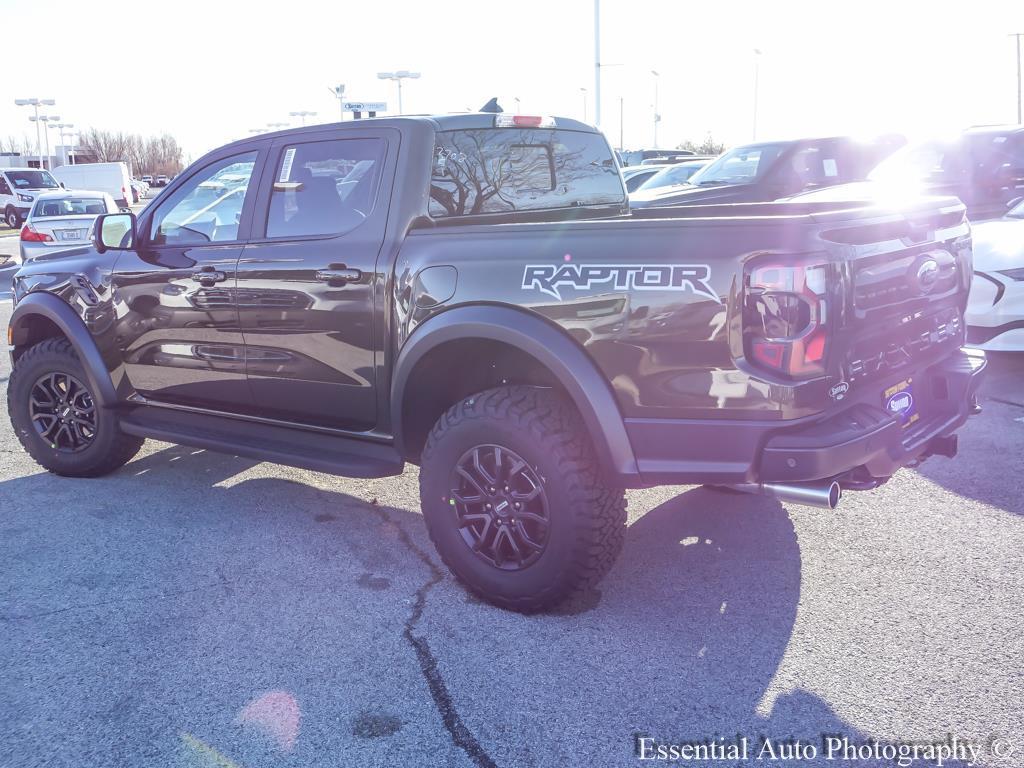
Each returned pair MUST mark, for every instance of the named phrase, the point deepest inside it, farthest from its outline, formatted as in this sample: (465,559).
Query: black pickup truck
(472,294)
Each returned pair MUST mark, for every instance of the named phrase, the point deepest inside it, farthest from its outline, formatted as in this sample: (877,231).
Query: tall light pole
(398,77)
(584,92)
(62,133)
(275,126)
(519,110)
(622,110)
(597,63)
(339,92)
(657,117)
(35,104)
(1018,35)
(44,119)
(302,115)
(757,77)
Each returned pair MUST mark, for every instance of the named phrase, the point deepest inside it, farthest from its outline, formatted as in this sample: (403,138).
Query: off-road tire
(587,516)
(109,448)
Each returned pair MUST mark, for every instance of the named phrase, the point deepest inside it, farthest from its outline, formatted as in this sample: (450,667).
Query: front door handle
(338,274)
(207,276)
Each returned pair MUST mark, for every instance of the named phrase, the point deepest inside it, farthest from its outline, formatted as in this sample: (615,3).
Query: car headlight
(1013,274)
(25,198)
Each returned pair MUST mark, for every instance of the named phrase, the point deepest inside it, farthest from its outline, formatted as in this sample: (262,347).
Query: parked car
(161,181)
(502,320)
(19,188)
(633,157)
(995,309)
(673,175)
(148,180)
(635,175)
(984,167)
(112,178)
(140,188)
(62,220)
(773,170)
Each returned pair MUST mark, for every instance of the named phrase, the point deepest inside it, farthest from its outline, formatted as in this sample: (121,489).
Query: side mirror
(114,232)
(62,185)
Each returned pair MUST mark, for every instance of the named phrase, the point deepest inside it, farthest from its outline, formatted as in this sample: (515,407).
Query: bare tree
(707,147)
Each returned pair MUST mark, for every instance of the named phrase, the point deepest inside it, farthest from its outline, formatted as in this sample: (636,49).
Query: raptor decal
(551,278)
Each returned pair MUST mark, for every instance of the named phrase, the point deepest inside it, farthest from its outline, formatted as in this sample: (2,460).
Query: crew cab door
(178,331)
(306,283)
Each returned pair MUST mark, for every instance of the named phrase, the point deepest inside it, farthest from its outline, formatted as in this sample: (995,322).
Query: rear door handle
(208,276)
(338,274)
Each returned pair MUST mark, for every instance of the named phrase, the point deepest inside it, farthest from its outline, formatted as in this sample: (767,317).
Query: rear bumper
(862,441)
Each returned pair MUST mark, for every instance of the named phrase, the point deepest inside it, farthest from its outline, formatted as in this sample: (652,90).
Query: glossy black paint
(651,367)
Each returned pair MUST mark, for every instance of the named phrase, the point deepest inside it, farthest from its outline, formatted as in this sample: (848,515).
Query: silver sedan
(60,221)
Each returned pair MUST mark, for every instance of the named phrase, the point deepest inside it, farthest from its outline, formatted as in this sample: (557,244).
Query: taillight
(786,318)
(29,235)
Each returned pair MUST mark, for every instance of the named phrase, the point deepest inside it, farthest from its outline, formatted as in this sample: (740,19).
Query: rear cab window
(502,170)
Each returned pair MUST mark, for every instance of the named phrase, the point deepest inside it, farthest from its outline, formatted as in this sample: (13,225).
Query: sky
(209,71)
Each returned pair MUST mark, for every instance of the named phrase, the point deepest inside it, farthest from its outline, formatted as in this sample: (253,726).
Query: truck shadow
(201,615)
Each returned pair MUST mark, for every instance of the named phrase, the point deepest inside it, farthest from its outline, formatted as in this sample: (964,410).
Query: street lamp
(584,92)
(62,133)
(1018,35)
(398,77)
(303,115)
(44,119)
(657,117)
(35,104)
(258,130)
(757,77)
(339,92)
(519,110)
(275,126)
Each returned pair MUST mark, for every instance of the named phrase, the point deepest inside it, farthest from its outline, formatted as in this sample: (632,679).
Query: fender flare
(70,324)
(552,347)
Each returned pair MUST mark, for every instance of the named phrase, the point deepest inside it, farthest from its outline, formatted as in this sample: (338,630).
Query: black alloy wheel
(63,412)
(501,507)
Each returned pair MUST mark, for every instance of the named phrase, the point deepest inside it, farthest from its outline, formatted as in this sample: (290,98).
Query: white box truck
(112,178)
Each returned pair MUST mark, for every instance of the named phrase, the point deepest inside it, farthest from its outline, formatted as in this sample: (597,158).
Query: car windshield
(667,177)
(742,165)
(917,162)
(73,206)
(1017,212)
(32,180)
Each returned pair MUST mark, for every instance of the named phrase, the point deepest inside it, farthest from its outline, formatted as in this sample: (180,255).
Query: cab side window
(208,207)
(5,188)
(324,187)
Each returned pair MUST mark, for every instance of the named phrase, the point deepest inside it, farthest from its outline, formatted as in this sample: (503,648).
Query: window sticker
(286,166)
(830,167)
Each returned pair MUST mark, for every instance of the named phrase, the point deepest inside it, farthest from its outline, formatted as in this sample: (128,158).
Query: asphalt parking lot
(197,609)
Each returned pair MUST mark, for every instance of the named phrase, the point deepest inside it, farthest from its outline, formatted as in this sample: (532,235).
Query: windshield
(32,180)
(742,165)
(668,177)
(917,162)
(74,206)
(1017,212)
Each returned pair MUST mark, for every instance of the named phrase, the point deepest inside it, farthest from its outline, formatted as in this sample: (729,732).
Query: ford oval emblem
(927,275)
(899,403)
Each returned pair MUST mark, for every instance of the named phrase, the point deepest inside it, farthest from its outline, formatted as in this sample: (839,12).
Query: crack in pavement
(460,734)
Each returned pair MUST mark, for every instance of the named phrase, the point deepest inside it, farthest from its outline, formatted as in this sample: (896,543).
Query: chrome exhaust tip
(821,495)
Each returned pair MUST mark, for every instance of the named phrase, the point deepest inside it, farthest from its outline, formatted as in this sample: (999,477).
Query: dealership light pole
(584,92)
(275,126)
(757,76)
(302,115)
(1018,35)
(44,119)
(657,117)
(339,92)
(62,133)
(35,104)
(398,77)
(597,63)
